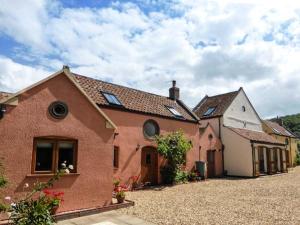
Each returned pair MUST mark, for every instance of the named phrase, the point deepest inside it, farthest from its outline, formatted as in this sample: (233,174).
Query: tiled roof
(4,94)
(256,136)
(132,99)
(277,129)
(220,102)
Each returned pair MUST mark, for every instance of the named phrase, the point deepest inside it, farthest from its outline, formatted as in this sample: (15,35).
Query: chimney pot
(66,67)
(174,83)
(174,91)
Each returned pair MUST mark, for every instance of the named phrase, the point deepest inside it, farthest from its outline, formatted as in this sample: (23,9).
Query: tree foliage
(173,147)
(292,122)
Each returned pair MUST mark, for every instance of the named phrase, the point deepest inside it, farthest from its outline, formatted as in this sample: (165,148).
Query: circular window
(210,137)
(58,110)
(151,129)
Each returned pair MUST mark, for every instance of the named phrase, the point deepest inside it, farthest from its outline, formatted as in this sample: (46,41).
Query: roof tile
(256,136)
(132,99)
(277,129)
(220,102)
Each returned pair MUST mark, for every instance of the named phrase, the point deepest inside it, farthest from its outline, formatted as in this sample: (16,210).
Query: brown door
(271,161)
(210,163)
(149,171)
(261,160)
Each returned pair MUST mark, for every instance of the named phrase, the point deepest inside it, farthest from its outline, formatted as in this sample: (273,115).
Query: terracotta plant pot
(54,210)
(120,199)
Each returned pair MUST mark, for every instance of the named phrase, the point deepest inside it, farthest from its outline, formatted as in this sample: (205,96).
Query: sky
(208,47)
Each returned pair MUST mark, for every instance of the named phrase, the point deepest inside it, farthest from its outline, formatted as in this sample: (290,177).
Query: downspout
(253,158)
(223,146)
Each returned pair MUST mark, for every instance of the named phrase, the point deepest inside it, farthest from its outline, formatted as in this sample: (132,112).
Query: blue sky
(209,47)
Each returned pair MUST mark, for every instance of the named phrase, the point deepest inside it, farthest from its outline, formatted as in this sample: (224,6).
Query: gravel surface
(266,200)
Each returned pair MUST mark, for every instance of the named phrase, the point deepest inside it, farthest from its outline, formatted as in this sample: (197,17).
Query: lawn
(265,200)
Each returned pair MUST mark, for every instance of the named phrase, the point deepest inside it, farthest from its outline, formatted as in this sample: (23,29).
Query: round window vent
(58,110)
(151,129)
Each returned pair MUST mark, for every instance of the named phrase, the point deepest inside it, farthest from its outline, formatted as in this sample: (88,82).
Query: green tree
(173,147)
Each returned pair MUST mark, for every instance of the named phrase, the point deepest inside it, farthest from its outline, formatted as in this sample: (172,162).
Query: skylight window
(174,111)
(111,98)
(276,131)
(209,111)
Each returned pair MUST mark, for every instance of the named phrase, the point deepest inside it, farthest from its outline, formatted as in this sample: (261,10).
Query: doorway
(149,165)
(261,158)
(210,163)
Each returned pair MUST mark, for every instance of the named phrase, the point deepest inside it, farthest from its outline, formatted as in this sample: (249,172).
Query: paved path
(106,218)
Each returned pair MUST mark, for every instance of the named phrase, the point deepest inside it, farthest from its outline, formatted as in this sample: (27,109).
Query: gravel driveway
(266,200)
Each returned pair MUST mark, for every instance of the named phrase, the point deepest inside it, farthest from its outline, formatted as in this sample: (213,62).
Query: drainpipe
(223,146)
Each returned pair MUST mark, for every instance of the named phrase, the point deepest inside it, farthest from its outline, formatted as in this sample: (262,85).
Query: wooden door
(210,163)
(261,160)
(271,161)
(149,171)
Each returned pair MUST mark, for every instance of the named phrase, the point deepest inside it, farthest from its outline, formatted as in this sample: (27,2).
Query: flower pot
(54,210)
(120,199)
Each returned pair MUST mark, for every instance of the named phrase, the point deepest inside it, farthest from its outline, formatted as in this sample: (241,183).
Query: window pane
(44,153)
(112,99)
(66,152)
(116,157)
(151,129)
(148,159)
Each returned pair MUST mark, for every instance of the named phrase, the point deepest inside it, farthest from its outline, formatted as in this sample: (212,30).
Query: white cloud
(209,47)
(15,76)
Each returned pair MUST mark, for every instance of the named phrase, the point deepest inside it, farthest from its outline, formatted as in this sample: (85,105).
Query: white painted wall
(237,154)
(235,117)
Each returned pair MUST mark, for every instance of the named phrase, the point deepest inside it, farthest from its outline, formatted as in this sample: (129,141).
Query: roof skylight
(209,111)
(174,111)
(111,98)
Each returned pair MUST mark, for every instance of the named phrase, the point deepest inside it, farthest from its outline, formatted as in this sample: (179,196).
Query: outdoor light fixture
(137,147)
(2,110)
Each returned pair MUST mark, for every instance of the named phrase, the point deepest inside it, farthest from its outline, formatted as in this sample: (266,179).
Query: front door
(149,171)
(210,163)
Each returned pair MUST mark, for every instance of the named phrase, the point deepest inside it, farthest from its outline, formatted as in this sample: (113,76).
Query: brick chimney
(279,121)
(174,91)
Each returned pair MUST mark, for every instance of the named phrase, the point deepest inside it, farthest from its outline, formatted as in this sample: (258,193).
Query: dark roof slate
(221,102)
(132,99)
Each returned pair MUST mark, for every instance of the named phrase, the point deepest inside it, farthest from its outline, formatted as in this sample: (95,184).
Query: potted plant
(120,195)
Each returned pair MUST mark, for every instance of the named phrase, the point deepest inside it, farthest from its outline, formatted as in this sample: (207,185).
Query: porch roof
(257,136)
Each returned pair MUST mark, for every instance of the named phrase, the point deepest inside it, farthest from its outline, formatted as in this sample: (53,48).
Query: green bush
(192,176)
(32,212)
(173,147)
(181,177)
(168,174)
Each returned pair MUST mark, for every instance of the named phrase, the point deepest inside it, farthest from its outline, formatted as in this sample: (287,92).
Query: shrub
(181,177)
(168,174)
(32,212)
(173,147)
(192,176)
(37,206)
